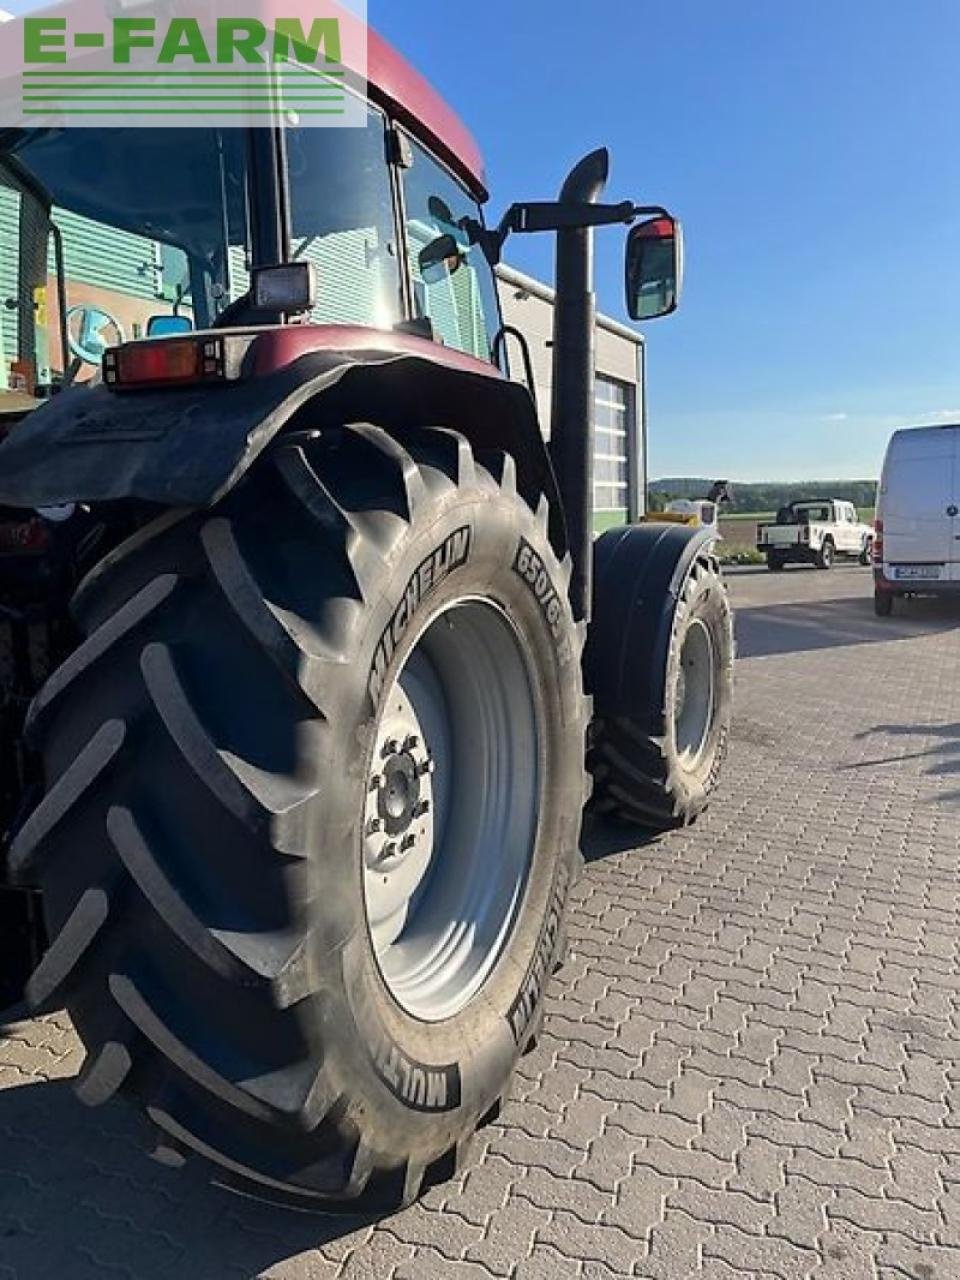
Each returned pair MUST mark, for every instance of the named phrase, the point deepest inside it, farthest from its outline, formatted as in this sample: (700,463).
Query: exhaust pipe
(574,364)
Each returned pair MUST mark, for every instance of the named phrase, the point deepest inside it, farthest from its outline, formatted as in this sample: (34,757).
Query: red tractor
(300,623)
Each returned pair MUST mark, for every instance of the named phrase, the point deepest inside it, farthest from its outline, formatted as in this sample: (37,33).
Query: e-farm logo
(100,63)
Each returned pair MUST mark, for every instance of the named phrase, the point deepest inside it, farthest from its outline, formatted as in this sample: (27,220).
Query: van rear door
(918,504)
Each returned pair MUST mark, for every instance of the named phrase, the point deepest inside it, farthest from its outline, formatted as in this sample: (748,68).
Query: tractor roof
(401,87)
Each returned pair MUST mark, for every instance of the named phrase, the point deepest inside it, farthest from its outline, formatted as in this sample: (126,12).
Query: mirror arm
(552,215)
(566,215)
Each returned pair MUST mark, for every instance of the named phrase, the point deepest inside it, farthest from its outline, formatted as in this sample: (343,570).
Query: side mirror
(654,268)
(441,257)
(164,326)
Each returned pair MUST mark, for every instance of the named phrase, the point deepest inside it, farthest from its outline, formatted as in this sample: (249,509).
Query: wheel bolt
(390,748)
(389,850)
(375,781)
(373,826)
(428,766)
(420,808)
(407,843)
(411,742)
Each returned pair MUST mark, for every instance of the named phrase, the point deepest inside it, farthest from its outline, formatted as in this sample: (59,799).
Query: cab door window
(342,220)
(460,299)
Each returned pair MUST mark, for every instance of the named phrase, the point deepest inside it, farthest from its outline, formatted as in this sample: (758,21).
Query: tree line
(762,496)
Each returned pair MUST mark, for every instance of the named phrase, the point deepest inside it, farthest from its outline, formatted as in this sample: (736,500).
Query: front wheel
(663,775)
(315,787)
(775,561)
(826,555)
(866,554)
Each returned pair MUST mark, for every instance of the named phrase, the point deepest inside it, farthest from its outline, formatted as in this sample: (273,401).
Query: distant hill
(766,495)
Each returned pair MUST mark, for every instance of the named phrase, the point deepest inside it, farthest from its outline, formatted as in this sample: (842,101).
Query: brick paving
(750,1062)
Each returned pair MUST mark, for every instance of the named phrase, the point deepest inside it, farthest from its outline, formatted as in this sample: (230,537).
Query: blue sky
(809,147)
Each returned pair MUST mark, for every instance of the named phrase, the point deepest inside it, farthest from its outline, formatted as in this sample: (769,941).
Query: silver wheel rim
(451,810)
(693,705)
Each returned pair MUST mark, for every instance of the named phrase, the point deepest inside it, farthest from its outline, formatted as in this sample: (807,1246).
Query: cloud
(837,417)
(936,416)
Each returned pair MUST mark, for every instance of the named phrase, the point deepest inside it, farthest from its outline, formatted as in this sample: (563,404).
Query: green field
(604,520)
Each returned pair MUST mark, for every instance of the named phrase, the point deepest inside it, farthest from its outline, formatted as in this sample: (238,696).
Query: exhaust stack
(572,407)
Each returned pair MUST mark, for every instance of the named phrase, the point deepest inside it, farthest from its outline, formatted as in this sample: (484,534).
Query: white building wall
(528,305)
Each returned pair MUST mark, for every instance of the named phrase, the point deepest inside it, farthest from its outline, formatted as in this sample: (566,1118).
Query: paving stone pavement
(750,1063)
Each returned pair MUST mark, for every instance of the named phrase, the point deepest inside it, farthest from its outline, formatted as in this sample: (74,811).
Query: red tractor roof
(394,83)
(417,104)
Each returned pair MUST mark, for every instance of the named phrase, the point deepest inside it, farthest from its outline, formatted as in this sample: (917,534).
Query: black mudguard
(189,447)
(638,575)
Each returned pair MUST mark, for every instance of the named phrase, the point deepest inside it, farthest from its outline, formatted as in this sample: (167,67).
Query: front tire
(663,775)
(775,561)
(866,554)
(315,785)
(826,555)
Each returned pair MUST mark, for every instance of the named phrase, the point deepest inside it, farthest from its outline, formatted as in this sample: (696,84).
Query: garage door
(611,451)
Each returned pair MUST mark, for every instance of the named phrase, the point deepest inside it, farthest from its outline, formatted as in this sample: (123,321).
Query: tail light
(160,363)
(878,542)
(175,362)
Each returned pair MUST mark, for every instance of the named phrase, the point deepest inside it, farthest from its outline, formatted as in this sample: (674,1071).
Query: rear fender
(189,447)
(638,576)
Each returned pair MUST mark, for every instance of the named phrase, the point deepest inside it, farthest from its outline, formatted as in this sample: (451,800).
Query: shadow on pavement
(807,625)
(79,1198)
(604,837)
(943,756)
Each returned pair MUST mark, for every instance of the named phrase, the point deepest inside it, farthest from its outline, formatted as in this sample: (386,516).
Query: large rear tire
(315,782)
(663,775)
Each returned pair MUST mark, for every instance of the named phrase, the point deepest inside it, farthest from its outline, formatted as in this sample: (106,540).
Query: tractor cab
(116,235)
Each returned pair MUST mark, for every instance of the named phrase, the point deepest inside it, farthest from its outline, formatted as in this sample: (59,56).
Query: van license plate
(917,571)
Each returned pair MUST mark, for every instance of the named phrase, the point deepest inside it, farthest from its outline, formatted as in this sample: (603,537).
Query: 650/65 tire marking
(530,567)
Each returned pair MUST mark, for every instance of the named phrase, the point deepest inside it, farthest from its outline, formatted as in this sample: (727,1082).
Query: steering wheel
(90,331)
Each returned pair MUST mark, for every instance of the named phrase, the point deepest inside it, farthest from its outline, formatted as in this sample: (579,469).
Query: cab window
(341,220)
(459,299)
(152,223)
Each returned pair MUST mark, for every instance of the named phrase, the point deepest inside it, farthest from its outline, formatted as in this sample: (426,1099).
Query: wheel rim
(451,810)
(693,706)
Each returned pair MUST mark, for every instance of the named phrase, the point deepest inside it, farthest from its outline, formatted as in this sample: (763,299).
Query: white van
(916,549)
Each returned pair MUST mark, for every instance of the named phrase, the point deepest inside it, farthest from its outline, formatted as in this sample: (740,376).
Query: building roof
(529,284)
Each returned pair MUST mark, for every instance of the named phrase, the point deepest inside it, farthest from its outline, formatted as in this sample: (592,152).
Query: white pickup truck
(815,531)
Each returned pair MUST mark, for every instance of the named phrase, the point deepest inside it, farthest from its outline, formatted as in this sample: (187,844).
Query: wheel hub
(400,788)
(398,826)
